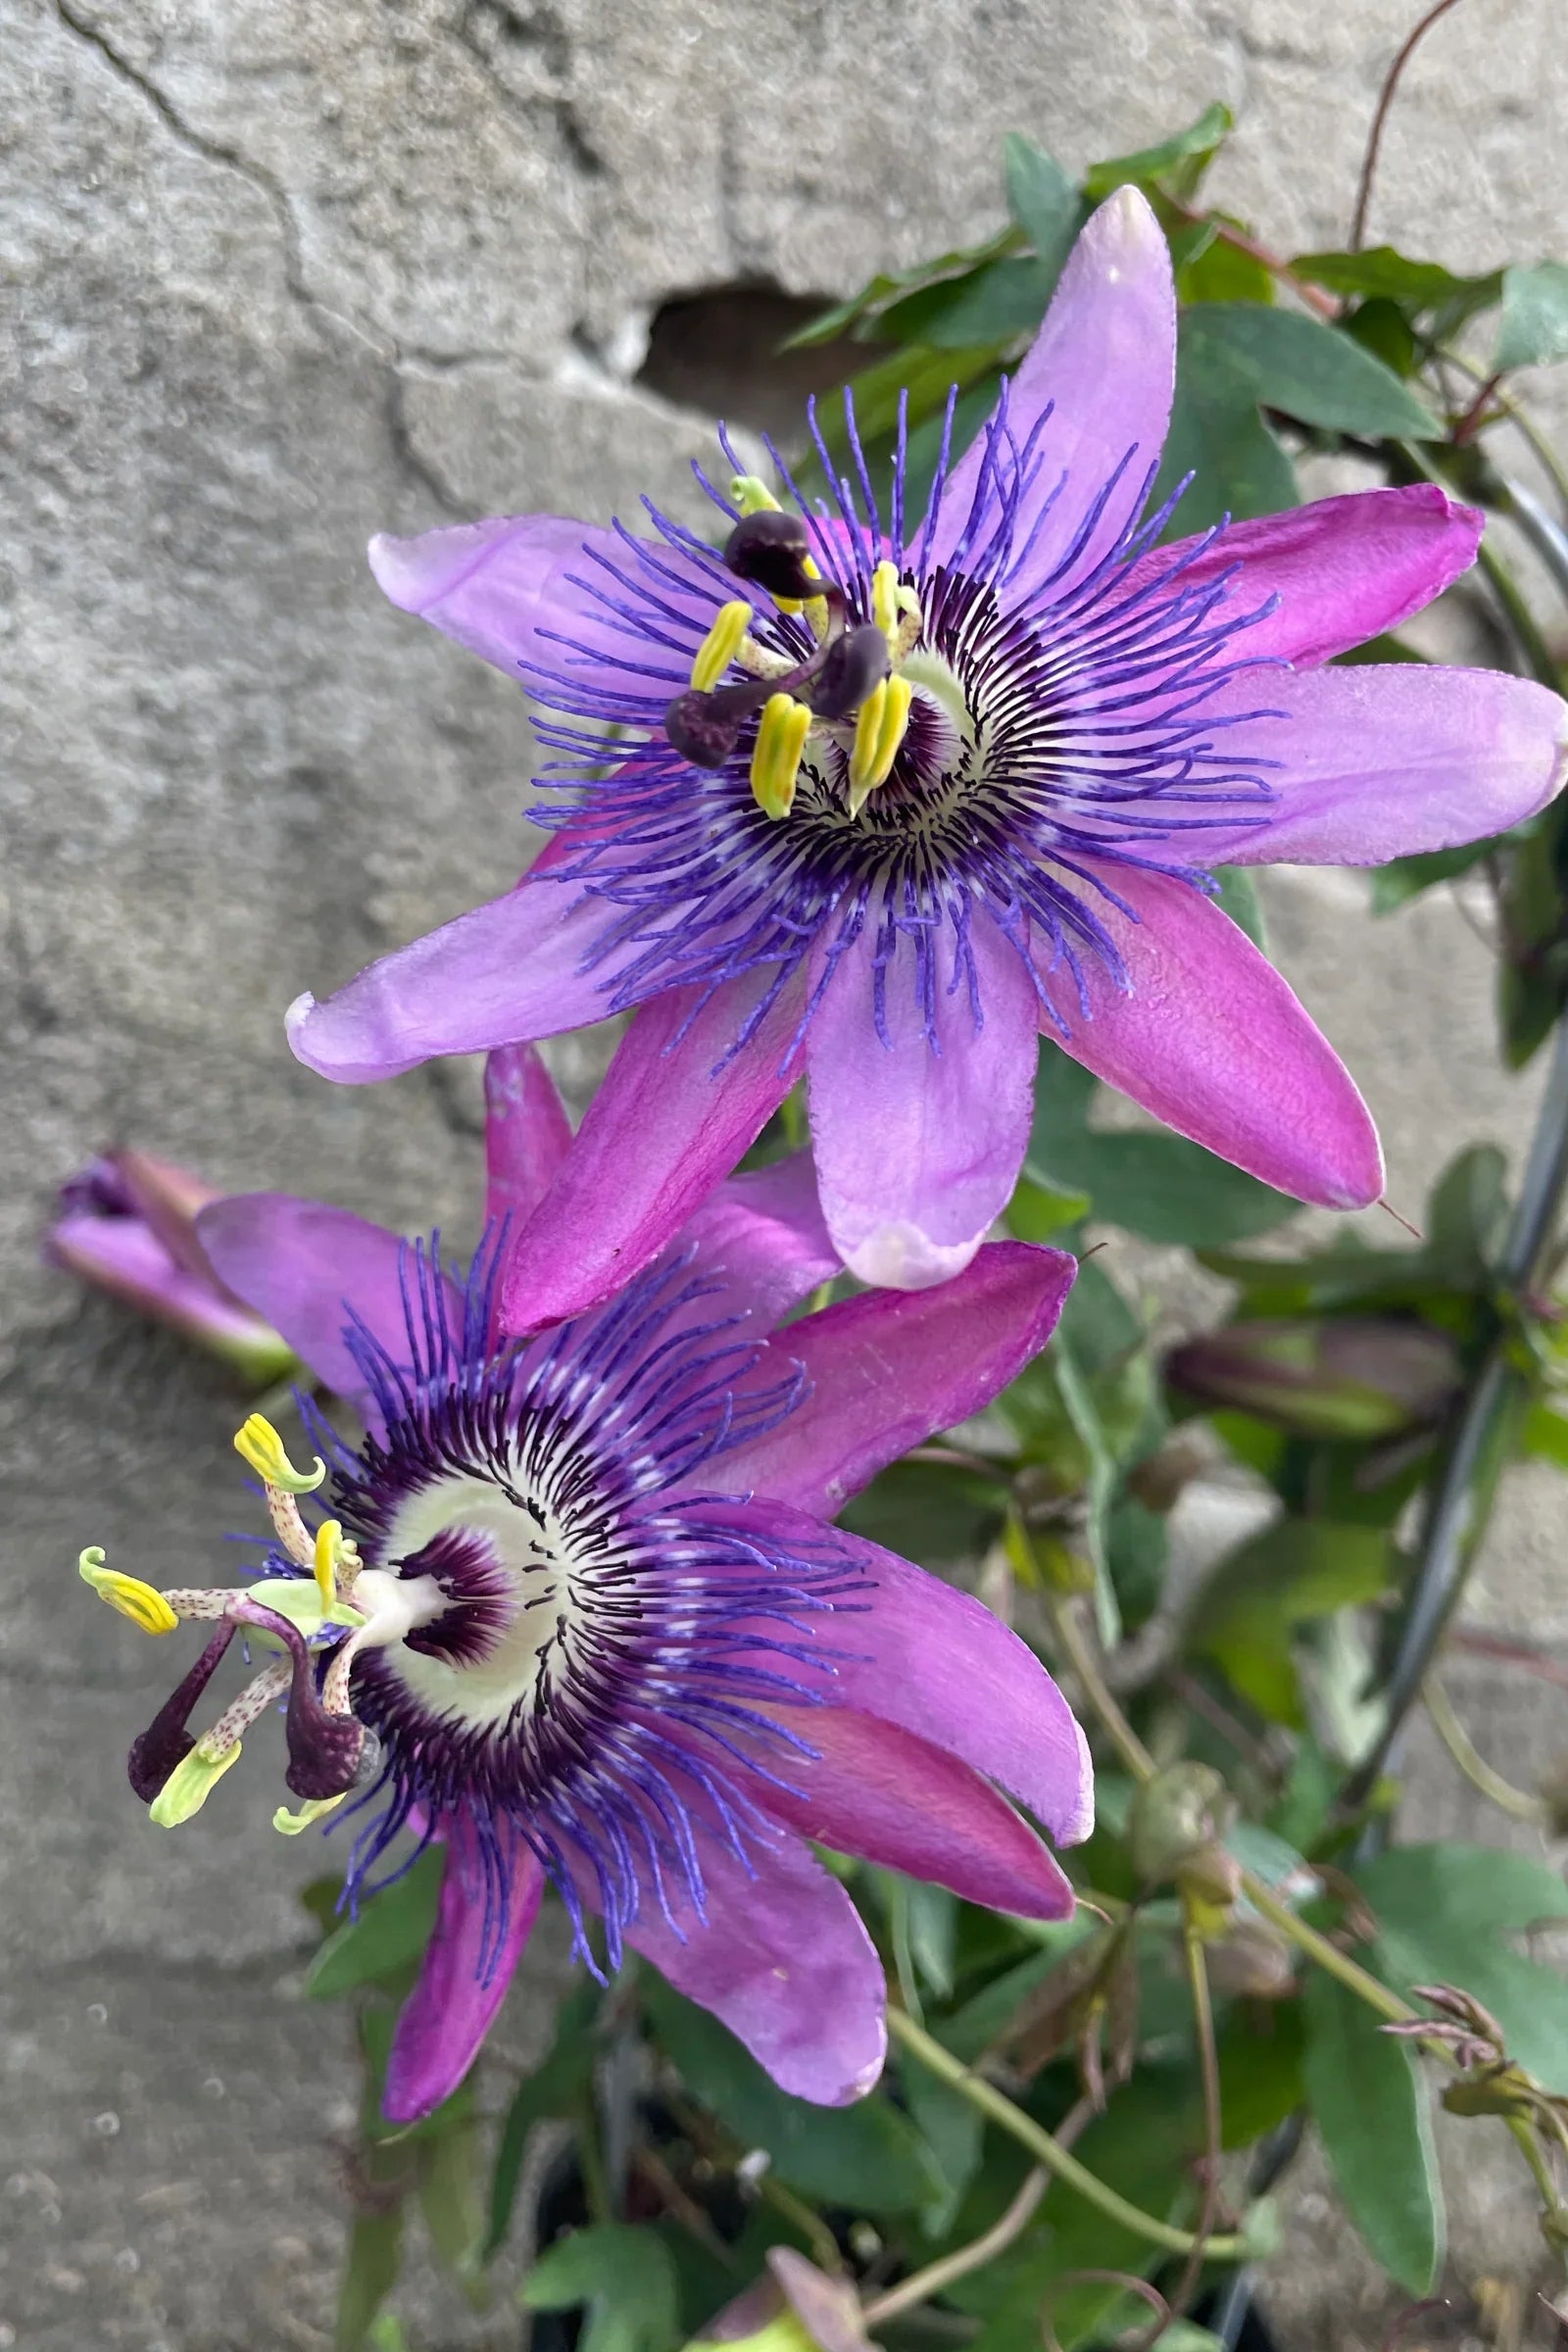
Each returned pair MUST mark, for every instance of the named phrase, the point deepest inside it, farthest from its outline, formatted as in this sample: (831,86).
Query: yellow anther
(144,1607)
(328,1551)
(885,599)
(878,732)
(190,1784)
(290,1825)
(261,1445)
(721,644)
(776,761)
(752,494)
(814,607)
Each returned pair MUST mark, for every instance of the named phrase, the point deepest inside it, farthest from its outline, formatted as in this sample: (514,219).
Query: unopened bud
(1338,1377)
(1175,1816)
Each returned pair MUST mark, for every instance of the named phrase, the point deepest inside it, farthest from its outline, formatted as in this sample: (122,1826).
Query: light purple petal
(918,1654)
(483,583)
(784,1960)
(880,1791)
(448,2014)
(120,1255)
(889,1368)
(919,1143)
(1212,1041)
(1379,763)
(763,1236)
(304,1267)
(526,1133)
(510,971)
(1344,569)
(1105,357)
(659,1133)
(511,589)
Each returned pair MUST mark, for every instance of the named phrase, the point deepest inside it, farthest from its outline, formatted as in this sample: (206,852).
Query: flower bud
(1348,1376)
(1176,1817)
(797,2308)
(126,1224)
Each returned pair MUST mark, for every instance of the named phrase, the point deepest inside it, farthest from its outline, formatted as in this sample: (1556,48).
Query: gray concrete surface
(273,277)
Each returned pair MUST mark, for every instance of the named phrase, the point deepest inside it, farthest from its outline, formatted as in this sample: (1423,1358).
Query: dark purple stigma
(853,667)
(166,1743)
(772,548)
(328,1754)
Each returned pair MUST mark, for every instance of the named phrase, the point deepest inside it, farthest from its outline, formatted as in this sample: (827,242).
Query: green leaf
(1381,327)
(876,295)
(451,2201)
(625,2276)
(1238,895)
(1543,1436)
(1036,1211)
(1217,436)
(1467,1214)
(1443,1914)
(1308,370)
(1535,316)
(1044,201)
(1177,163)
(1216,271)
(1405,878)
(1371,2106)
(930,1511)
(369,2273)
(1294,1571)
(867,2156)
(955,2132)
(1159,1186)
(558,2087)
(1379,269)
(391,1932)
(1002,303)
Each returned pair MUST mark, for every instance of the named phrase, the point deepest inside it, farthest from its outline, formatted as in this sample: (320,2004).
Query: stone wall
(275,277)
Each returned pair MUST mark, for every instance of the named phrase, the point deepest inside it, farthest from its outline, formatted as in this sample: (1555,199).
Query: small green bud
(1175,1817)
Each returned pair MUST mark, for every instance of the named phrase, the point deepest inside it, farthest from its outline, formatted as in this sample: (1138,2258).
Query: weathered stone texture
(273,277)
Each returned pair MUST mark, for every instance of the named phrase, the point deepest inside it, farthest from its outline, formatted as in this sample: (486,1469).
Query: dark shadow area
(718,349)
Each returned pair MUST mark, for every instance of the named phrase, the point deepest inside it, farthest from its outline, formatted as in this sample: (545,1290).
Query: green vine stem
(1049,2152)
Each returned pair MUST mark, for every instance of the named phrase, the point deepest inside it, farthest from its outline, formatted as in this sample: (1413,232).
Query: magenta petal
(303,1266)
(526,1133)
(1381,762)
(887,1369)
(513,969)
(1212,1041)
(783,1959)
(1106,359)
(917,1652)
(481,582)
(464,1979)
(879,1792)
(1344,569)
(763,1236)
(919,1143)
(659,1133)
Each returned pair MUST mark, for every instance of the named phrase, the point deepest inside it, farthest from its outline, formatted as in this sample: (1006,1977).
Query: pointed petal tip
(1077,1823)
(899,1257)
(415,572)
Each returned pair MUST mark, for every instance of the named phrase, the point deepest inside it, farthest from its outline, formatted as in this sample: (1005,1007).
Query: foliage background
(280,278)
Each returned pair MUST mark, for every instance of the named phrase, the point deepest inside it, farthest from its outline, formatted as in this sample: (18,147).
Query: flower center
(505,1567)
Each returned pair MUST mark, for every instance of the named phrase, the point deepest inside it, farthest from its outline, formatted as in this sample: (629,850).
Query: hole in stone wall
(718,349)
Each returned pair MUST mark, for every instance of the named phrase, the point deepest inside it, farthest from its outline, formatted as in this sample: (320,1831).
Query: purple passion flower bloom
(575,1607)
(126,1224)
(888,796)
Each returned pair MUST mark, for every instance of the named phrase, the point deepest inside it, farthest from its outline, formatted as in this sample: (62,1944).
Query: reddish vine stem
(1369,162)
